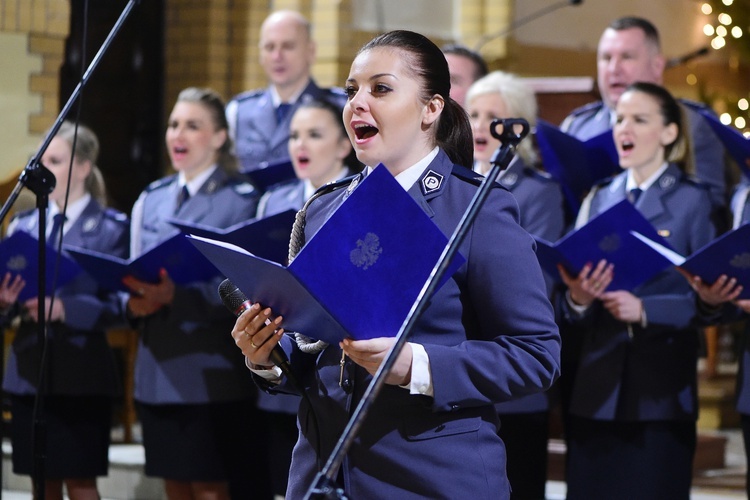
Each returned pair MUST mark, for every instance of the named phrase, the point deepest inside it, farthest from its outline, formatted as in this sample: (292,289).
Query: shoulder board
(160,183)
(604,182)
(331,187)
(538,174)
(116,215)
(694,104)
(335,91)
(466,174)
(335,185)
(23,213)
(696,182)
(249,94)
(590,108)
(244,188)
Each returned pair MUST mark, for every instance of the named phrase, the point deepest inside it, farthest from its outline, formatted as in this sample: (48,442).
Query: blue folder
(357,277)
(735,143)
(268,174)
(728,254)
(609,236)
(177,255)
(267,238)
(576,165)
(19,253)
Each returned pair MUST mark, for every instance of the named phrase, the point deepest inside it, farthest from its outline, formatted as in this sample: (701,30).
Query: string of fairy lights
(727,26)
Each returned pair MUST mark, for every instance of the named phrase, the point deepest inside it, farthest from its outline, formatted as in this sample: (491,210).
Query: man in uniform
(630,51)
(259,119)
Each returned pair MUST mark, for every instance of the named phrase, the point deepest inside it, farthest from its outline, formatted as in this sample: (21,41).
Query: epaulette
(160,183)
(244,188)
(538,174)
(248,94)
(335,185)
(603,182)
(695,105)
(351,180)
(116,215)
(466,174)
(592,107)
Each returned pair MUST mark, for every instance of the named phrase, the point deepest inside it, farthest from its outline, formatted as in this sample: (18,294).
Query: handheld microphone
(237,303)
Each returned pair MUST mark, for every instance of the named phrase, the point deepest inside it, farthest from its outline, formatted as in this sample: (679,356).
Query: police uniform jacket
(490,336)
(259,136)
(80,358)
(707,150)
(540,202)
(731,313)
(651,374)
(185,353)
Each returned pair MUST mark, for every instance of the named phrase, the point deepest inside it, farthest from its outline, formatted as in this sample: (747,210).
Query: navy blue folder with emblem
(267,238)
(19,253)
(611,236)
(735,143)
(177,255)
(357,277)
(728,254)
(576,164)
(268,174)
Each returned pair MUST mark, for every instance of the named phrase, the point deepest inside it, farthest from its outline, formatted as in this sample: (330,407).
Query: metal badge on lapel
(509,179)
(667,181)
(212,186)
(90,224)
(431,182)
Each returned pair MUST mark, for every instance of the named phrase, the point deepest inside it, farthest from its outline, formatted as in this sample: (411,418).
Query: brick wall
(46,23)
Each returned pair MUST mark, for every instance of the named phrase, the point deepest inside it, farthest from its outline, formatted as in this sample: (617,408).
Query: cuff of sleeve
(271,375)
(577,308)
(421,377)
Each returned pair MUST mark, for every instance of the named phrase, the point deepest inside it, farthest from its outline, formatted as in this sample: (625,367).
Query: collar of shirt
(72,212)
(196,182)
(630,183)
(276,100)
(408,177)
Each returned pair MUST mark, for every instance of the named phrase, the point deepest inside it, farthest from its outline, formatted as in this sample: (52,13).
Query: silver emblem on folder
(17,263)
(367,252)
(741,261)
(610,243)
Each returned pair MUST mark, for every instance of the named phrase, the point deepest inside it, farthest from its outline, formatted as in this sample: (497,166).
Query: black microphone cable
(237,302)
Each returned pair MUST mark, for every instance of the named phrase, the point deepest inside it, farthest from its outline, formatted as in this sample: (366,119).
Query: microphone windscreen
(231,296)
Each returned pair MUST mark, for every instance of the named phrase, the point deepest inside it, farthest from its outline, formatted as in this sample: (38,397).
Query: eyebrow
(375,77)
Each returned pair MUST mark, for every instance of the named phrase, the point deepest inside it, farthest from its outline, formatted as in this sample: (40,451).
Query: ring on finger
(252,344)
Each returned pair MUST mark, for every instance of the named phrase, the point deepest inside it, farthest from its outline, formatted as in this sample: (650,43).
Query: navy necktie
(634,194)
(182,196)
(281,111)
(57,223)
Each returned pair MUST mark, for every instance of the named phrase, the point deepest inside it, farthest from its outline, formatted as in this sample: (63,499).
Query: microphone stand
(524,20)
(41,182)
(323,486)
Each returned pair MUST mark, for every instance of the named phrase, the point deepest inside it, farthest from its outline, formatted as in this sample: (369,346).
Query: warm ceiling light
(736,31)
(743,104)
(708,30)
(725,118)
(706,9)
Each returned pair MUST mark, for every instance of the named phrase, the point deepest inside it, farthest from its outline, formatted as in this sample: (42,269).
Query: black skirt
(204,442)
(77,435)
